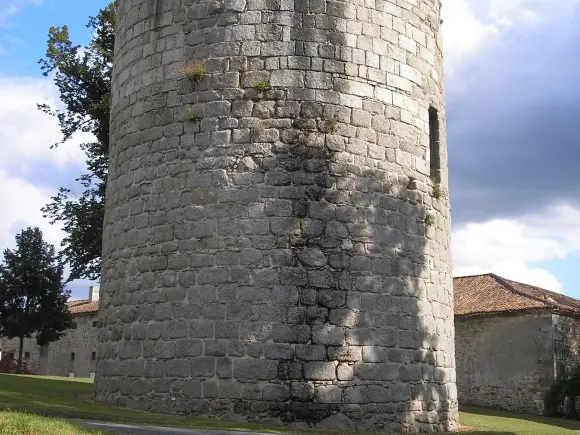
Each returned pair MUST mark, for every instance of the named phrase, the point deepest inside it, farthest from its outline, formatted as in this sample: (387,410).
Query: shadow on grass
(551,421)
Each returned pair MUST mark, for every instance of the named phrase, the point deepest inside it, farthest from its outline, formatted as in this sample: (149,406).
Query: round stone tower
(276,238)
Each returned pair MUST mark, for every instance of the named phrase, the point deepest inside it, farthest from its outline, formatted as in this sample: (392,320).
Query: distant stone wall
(11,347)
(504,361)
(56,359)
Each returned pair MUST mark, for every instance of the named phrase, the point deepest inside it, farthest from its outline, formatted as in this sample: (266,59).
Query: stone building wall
(566,343)
(504,361)
(55,359)
(10,351)
(279,253)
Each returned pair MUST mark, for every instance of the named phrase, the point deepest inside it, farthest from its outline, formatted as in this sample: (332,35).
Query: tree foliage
(82,75)
(560,400)
(32,293)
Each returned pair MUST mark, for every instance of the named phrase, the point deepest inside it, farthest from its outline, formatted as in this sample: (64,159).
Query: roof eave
(566,313)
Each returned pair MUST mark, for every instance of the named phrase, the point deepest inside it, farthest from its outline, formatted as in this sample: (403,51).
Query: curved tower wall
(274,248)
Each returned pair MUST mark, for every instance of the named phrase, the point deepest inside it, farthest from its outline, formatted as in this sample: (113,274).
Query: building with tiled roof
(512,340)
(83,306)
(489,294)
(74,353)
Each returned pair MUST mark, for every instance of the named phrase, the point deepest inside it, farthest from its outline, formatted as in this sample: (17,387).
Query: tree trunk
(19,367)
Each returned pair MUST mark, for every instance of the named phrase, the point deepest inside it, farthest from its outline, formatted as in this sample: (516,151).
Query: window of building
(95,324)
(93,356)
(434,145)
(26,354)
(11,355)
(72,356)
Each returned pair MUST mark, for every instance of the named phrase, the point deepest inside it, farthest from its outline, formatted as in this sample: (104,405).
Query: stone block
(338,422)
(202,367)
(327,335)
(358,394)
(345,353)
(165,350)
(329,394)
(278,351)
(276,393)
(252,369)
(375,354)
(188,347)
(367,371)
(290,333)
(344,372)
(320,371)
(229,389)
(215,347)
(302,391)
(224,368)
(308,352)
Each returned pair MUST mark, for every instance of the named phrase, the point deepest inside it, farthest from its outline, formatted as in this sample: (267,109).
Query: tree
(32,293)
(82,75)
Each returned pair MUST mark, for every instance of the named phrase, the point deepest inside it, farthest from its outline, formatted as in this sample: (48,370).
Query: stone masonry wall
(566,343)
(55,358)
(274,249)
(504,361)
(10,349)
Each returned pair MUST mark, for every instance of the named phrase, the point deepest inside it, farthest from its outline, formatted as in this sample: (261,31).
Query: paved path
(152,430)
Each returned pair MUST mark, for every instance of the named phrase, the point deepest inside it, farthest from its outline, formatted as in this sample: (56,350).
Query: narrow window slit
(434,145)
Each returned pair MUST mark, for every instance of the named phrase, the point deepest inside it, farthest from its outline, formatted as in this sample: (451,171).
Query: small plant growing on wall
(429,220)
(330,124)
(263,85)
(195,71)
(192,116)
(439,191)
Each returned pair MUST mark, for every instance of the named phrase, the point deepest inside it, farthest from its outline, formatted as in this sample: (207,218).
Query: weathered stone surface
(284,250)
(320,371)
(481,340)
(312,257)
(337,421)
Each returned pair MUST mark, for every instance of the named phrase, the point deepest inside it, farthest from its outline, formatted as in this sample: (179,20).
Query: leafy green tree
(82,75)
(32,293)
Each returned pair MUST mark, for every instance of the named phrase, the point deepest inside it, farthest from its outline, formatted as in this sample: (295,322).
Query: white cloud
(21,204)
(509,247)
(26,135)
(464,33)
(471,26)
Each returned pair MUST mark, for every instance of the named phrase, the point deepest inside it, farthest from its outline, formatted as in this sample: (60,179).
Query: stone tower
(276,239)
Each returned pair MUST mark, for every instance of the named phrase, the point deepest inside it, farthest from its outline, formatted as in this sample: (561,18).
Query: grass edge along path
(19,423)
(72,398)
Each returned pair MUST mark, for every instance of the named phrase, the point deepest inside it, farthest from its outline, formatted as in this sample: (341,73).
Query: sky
(513,108)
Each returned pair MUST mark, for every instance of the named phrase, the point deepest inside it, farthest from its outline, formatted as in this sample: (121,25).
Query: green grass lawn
(71,398)
(15,423)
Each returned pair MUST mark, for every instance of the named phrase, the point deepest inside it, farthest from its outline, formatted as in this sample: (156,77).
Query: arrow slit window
(434,145)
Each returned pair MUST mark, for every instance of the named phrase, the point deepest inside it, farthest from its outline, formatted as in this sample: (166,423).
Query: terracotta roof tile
(83,306)
(489,293)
